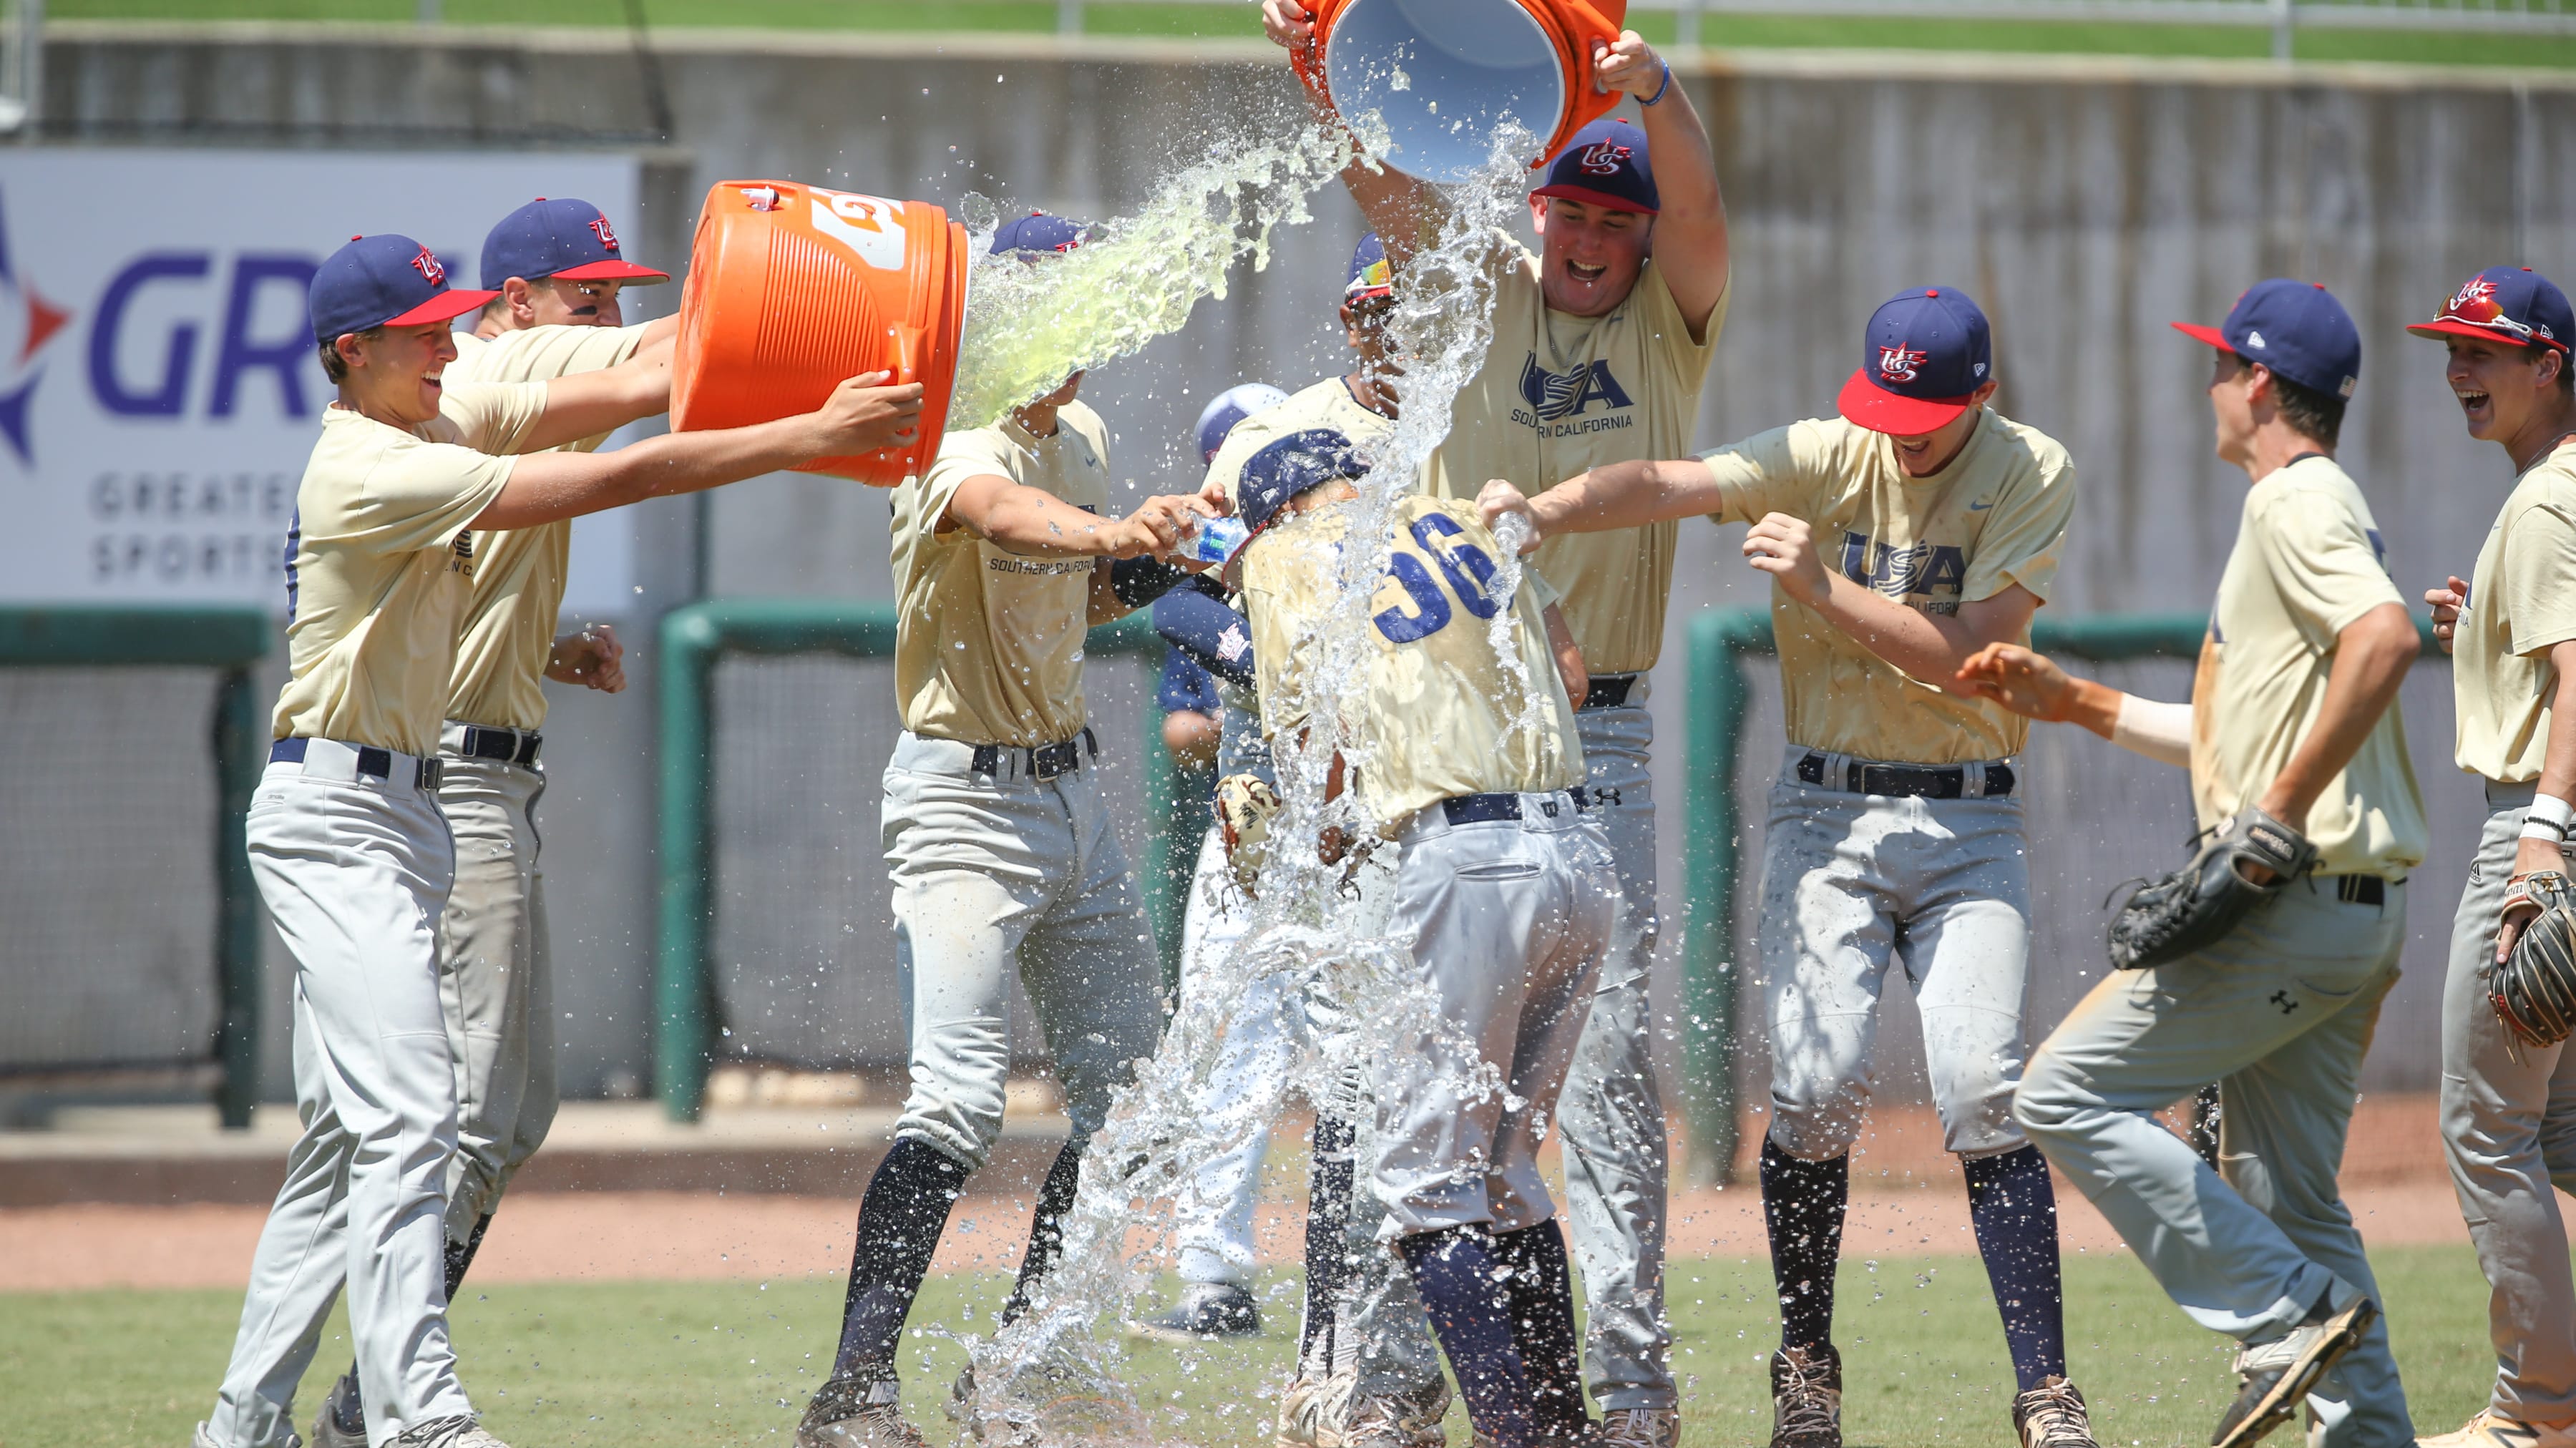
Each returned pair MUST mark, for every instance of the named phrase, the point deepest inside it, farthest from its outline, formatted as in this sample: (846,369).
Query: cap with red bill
(384,281)
(2296,329)
(1605,165)
(1926,354)
(2510,304)
(559,237)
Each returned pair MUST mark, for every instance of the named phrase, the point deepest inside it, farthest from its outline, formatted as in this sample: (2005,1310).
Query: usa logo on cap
(2512,304)
(1901,364)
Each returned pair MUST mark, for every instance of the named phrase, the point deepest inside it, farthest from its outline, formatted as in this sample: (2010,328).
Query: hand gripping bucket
(793,288)
(1446,74)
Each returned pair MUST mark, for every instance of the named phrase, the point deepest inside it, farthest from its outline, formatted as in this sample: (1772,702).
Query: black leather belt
(371,760)
(2361,889)
(1046,761)
(1909,781)
(1608,691)
(1474,809)
(509,746)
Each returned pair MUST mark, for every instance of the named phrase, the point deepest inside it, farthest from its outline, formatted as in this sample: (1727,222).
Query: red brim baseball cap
(445,306)
(1864,403)
(615,270)
(2200,333)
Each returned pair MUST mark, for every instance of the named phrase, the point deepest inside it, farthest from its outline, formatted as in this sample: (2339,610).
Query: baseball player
(1601,342)
(1902,536)
(352,855)
(2509,1107)
(1214,1218)
(556,269)
(2298,763)
(999,840)
(1504,892)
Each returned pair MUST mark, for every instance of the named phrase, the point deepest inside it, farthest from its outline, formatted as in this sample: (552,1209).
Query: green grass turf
(1243,20)
(642,1365)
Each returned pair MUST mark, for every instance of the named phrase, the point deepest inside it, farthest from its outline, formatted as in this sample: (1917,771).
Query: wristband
(1658,96)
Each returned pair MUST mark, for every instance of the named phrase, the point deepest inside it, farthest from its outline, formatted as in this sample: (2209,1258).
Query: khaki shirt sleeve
(533,354)
(1767,472)
(494,417)
(2536,576)
(961,456)
(1271,602)
(420,495)
(1542,591)
(2024,535)
(1672,331)
(2323,562)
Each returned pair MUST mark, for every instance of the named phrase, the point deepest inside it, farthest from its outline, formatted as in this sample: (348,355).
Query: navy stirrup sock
(900,1219)
(1542,1295)
(1046,1226)
(2014,1207)
(1328,1250)
(1461,1278)
(1802,1205)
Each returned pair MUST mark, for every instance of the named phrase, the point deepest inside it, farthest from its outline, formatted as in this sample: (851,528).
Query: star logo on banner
(35,322)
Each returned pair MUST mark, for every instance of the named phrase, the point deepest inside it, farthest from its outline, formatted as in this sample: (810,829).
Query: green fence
(231,641)
(1720,693)
(694,639)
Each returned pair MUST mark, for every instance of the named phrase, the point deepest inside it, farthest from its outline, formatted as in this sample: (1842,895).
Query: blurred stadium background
(2089,169)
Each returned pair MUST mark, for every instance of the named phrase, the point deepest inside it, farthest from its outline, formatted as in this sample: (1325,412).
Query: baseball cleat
(1396,1420)
(857,1412)
(1207,1311)
(1639,1428)
(2278,1375)
(342,1423)
(460,1431)
(2053,1415)
(1312,1411)
(2491,1429)
(1807,1397)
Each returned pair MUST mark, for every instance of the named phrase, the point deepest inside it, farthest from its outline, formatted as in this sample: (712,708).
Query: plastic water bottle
(1216,540)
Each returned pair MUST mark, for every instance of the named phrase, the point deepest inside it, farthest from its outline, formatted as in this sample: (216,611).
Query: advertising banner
(159,390)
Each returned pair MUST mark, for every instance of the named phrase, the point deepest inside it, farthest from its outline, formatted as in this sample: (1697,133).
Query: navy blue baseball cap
(1926,351)
(1229,407)
(1037,233)
(1289,466)
(384,281)
(2295,328)
(561,237)
(2506,304)
(1606,165)
(1371,276)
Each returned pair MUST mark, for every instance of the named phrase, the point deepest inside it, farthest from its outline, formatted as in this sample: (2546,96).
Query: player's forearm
(1105,606)
(2372,655)
(1626,495)
(2148,727)
(1032,520)
(1931,647)
(587,404)
(550,487)
(1690,231)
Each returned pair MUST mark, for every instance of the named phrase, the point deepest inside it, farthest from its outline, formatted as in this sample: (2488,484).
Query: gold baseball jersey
(1993,518)
(2308,562)
(1442,715)
(988,645)
(1559,394)
(380,565)
(1327,404)
(519,574)
(2522,603)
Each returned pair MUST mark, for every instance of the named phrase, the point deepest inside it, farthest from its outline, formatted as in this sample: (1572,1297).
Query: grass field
(1243,20)
(649,1365)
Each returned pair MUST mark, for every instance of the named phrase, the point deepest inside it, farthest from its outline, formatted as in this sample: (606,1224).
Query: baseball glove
(2196,906)
(1245,806)
(2533,989)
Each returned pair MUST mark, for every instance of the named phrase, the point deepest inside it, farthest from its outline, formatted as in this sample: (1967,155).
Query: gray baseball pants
(2279,1013)
(1611,1117)
(355,871)
(1508,920)
(2509,1127)
(496,982)
(1853,881)
(1003,874)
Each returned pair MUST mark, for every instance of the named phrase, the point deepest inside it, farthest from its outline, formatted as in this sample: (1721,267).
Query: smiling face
(1923,454)
(395,373)
(1589,255)
(2500,387)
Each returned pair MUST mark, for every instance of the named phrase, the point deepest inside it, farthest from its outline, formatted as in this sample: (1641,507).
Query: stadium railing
(695,639)
(1721,641)
(231,642)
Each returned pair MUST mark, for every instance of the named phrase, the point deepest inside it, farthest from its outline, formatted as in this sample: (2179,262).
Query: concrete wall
(2084,203)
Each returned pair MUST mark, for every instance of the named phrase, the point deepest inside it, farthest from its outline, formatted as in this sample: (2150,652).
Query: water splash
(1033,321)
(1338,982)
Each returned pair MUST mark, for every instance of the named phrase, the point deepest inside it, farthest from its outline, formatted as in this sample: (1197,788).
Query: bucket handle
(1584,25)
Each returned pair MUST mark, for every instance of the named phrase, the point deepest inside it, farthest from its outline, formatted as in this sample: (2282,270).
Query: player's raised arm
(861,415)
(1690,232)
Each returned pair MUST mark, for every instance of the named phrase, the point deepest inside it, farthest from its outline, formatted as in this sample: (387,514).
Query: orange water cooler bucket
(793,288)
(1446,74)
